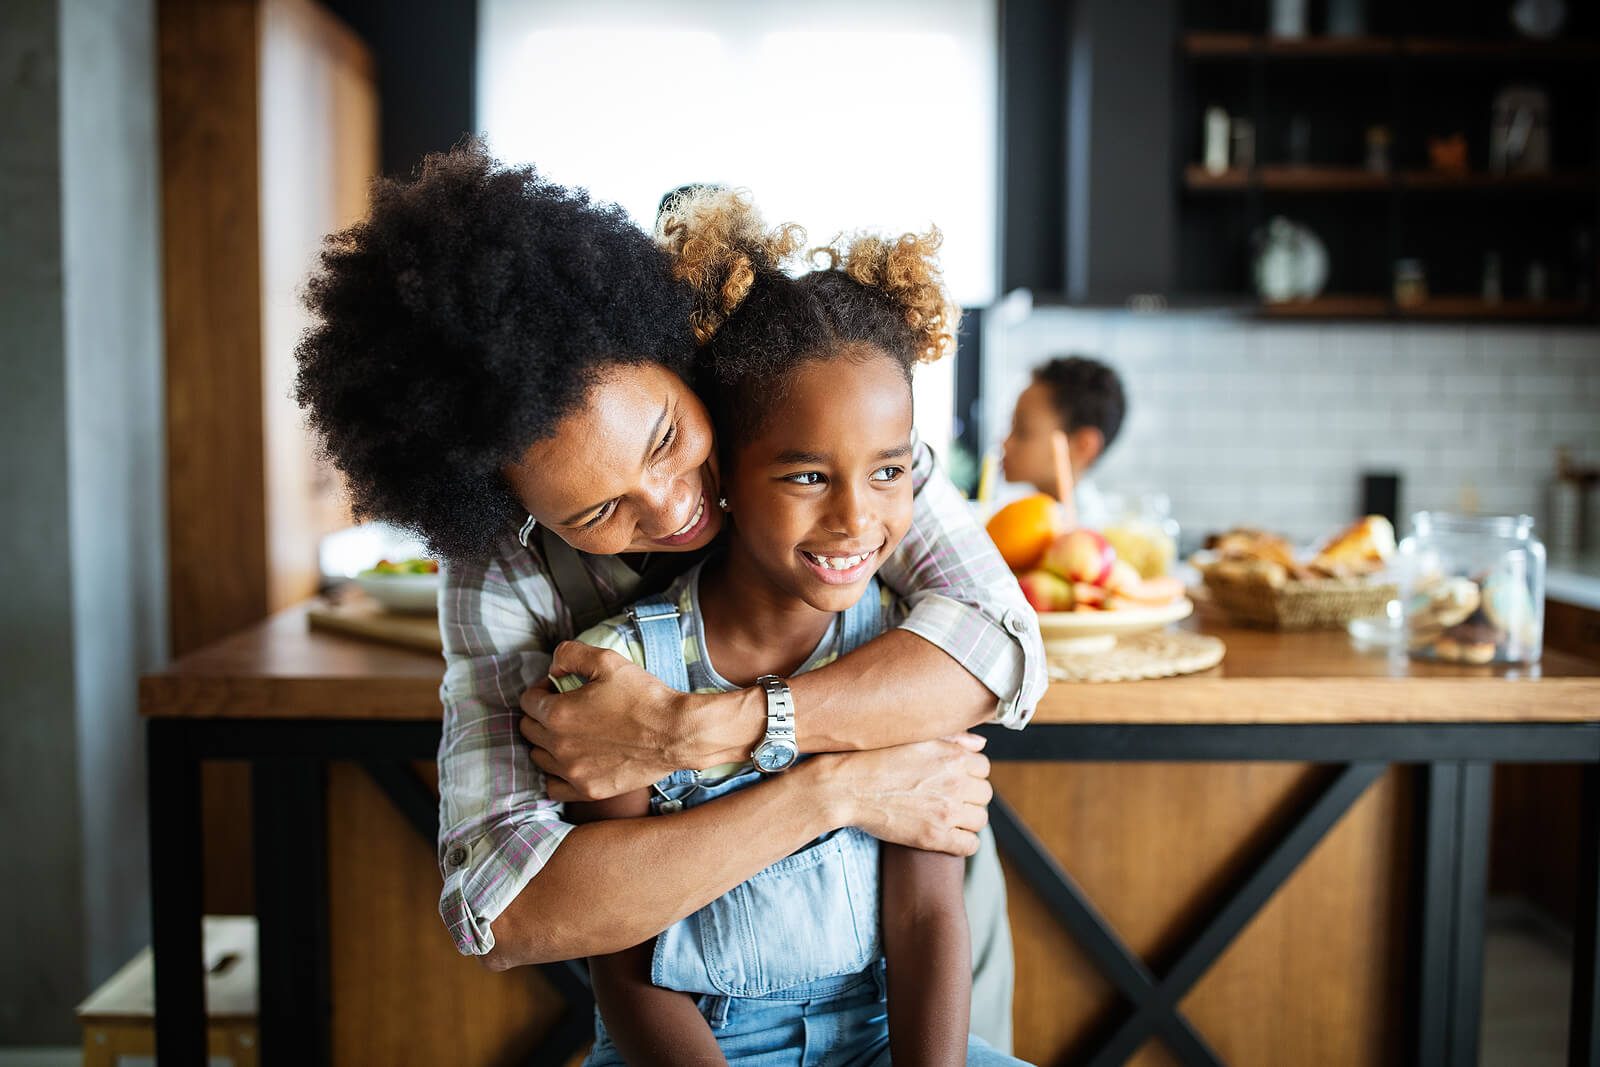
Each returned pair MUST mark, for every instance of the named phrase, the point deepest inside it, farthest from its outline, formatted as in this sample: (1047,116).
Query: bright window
(836,115)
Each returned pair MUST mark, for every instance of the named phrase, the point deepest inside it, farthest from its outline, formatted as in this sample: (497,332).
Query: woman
(500,366)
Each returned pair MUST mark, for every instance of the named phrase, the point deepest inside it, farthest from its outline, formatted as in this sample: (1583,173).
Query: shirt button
(1016,623)
(458,856)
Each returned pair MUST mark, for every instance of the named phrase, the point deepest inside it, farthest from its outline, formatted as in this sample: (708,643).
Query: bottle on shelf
(1491,277)
(1216,147)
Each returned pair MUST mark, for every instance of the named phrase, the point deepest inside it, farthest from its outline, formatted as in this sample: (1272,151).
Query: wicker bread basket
(1304,604)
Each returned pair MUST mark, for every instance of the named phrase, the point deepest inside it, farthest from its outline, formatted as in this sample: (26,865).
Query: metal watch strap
(780,710)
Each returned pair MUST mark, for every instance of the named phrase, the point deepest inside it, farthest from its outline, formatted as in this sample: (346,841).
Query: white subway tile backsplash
(1273,423)
(1359,344)
(1468,385)
(1575,342)
(1506,347)
(1442,347)
(1537,384)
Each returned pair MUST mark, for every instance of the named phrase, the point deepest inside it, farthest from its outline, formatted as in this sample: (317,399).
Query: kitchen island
(1272,862)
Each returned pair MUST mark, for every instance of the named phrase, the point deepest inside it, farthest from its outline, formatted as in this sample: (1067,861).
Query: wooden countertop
(282,669)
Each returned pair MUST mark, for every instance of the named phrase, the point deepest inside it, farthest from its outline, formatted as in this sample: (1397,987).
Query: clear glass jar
(1140,526)
(1472,588)
(1410,282)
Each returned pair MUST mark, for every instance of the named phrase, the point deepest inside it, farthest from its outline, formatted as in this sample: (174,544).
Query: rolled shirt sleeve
(497,825)
(963,598)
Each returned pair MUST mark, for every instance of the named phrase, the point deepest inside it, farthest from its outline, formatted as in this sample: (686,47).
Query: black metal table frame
(288,771)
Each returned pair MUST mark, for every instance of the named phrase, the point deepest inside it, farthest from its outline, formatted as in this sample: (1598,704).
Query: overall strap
(572,581)
(656,619)
(861,620)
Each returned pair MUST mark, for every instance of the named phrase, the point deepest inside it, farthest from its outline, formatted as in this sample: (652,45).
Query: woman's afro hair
(459,323)
(757,324)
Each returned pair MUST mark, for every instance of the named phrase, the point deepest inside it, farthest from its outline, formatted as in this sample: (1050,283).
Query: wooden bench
(118,1019)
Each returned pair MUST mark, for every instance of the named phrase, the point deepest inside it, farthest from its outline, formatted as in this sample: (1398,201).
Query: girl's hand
(623,730)
(931,795)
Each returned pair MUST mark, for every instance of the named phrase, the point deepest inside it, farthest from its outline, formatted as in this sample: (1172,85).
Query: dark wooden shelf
(1434,179)
(1471,307)
(1357,306)
(1285,178)
(1332,306)
(1288,178)
(1244,45)
(1201,45)
(1551,50)
(1220,45)
(1199,178)
(1317,179)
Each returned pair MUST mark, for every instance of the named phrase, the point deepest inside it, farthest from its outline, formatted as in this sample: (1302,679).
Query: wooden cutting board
(359,616)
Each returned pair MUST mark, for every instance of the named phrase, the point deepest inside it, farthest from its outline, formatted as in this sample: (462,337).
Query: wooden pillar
(211,235)
(268,140)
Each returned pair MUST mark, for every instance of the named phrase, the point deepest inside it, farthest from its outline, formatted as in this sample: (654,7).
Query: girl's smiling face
(822,494)
(631,471)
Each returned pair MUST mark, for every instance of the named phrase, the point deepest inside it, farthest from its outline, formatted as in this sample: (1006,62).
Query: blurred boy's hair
(1085,392)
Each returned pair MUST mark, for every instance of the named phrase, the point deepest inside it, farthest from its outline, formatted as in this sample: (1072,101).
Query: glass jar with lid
(1473,588)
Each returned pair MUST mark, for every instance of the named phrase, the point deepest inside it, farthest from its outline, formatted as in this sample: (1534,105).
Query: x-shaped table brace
(1153,1002)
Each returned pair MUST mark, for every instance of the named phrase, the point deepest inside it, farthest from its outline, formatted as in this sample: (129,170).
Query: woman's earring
(722,502)
(526,532)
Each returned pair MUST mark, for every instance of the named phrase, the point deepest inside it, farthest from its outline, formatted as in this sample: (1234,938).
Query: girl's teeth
(692,519)
(837,563)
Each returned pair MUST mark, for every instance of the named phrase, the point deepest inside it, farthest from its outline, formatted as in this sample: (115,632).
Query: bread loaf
(1363,548)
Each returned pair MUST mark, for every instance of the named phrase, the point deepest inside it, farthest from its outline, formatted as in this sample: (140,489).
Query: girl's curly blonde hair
(723,250)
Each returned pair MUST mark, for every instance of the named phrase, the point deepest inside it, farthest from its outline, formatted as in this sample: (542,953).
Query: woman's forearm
(614,884)
(896,689)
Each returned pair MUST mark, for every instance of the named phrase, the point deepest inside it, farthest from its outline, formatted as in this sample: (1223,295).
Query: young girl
(810,379)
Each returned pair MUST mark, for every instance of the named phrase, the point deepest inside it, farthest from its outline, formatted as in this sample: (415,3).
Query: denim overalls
(806,925)
(788,965)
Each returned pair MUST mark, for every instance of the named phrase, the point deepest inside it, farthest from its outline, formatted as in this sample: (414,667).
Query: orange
(1024,529)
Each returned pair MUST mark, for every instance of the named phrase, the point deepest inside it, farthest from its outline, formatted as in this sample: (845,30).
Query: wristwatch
(777,751)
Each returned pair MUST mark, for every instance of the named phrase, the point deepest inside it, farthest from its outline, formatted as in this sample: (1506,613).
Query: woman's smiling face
(631,471)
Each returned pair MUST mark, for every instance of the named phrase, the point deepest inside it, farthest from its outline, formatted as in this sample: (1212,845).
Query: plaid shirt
(501,618)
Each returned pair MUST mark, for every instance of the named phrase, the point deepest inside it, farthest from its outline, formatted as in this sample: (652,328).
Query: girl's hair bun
(906,270)
(720,246)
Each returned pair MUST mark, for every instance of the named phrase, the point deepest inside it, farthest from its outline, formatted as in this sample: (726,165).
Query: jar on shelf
(1410,283)
(1472,588)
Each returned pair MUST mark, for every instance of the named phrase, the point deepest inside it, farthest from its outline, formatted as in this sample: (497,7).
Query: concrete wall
(42,943)
(80,412)
(115,458)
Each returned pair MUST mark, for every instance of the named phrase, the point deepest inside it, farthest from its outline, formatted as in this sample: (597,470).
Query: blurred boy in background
(1082,398)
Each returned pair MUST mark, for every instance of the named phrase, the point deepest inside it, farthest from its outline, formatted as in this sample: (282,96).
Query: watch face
(773,756)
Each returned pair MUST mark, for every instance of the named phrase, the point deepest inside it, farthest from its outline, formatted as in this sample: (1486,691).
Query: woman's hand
(623,730)
(931,795)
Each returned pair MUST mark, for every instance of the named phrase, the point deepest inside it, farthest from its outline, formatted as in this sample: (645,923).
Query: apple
(1081,555)
(1153,592)
(1046,591)
(1123,578)
(1085,595)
